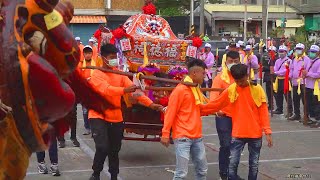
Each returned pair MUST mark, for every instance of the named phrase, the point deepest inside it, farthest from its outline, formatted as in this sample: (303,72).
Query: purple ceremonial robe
(295,69)
(280,67)
(254,64)
(313,72)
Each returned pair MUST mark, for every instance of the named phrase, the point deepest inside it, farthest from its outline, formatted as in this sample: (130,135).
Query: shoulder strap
(312,64)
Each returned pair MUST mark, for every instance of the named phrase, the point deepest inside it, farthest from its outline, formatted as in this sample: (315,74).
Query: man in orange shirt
(86,73)
(107,127)
(249,119)
(223,117)
(183,118)
(81,46)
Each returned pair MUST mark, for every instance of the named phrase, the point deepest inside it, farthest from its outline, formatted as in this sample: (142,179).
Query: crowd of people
(239,74)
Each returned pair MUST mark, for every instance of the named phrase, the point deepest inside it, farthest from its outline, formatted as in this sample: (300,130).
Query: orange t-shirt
(111,87)
(86,73)
(81,46)
(219,83)
(248,120)
(182,115)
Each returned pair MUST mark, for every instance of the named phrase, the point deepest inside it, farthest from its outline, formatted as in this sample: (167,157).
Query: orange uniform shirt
(248,120)
(111,87)
(219,83)
(81,46)
(86,73)
(182,115)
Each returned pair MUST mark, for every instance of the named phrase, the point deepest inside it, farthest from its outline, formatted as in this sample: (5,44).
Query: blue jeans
(254,147)
(53,152)
(184,148)
(224,129)
(85,113)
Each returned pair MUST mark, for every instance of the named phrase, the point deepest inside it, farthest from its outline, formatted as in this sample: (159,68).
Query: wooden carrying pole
(154,79)
(153,88)
(305,113)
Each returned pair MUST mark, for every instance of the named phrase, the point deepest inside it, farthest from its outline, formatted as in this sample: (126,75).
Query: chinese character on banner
(192,51)
(125,44)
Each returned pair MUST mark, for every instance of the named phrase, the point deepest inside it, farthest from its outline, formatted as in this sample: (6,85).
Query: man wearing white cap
(297,65)
(312,76)
(252,62)
(280,70)
(94,48)
(208,58)
(268,66)
(242,46)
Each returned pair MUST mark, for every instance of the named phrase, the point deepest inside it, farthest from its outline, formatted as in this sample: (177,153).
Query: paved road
(295,151)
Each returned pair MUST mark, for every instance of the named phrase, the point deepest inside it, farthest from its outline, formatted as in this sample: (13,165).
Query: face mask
(312,55)
(229,66)
(282,55)
(113,62)
(299,52)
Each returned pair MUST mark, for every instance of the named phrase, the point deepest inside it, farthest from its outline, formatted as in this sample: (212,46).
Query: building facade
(89,14)
(228,19)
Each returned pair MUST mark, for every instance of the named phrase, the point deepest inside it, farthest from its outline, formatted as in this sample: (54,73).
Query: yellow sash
(299,86)
(196,91)
(276,84)
(93,63)
(316,90)
(257,94)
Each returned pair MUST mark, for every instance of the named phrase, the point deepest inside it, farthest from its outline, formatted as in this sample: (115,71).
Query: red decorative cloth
(286,80)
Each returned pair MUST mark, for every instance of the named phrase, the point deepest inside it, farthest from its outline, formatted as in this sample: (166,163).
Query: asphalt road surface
(295,155)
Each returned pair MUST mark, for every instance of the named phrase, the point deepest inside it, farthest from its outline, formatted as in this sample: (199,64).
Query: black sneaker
(75,143)
(54,170)
(295,118)
(62,144)
(42,168)
(277,112)
(223,177)
(95,177)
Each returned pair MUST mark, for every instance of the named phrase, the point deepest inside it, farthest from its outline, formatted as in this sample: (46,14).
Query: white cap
(314,48)
(299,46)
(207,45)
(283,48)
(241,43)
(227,47)
(77,38)
(248,47)
(91,40)
(272,48)
(87,46)
(237,45)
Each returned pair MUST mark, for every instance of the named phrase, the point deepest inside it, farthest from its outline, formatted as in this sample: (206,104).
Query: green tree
(177,7)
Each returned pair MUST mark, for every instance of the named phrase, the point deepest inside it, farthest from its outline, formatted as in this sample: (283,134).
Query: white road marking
(69,171)
(167,166)
(216,163)
(275,132)
(86,149)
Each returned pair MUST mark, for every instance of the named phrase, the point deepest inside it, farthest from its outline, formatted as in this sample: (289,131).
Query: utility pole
(245,21)
(265,4)
(202,17)
(191,13)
